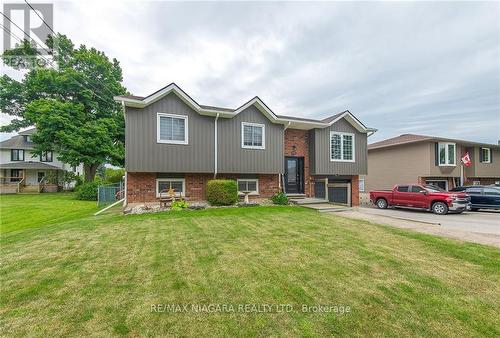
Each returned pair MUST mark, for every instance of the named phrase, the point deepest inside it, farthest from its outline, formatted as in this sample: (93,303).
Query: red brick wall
(141,187)
(297,144)
(268,185)
(355,190)
(196,184)
(483,180)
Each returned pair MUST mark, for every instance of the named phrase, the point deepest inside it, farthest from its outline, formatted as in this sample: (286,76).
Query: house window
(447,153)
(362,185)
(15,175)
(172,129)
(341,147)
(163,185)
(476,182)
(17,155)
(251,185)
(46,156)
(253,135)
(485,155)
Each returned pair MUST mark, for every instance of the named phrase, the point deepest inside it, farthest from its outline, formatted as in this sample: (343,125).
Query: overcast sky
(424,68)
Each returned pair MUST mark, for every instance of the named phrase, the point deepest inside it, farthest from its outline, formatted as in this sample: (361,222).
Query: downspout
(281,178)
(215,145)
(126,174)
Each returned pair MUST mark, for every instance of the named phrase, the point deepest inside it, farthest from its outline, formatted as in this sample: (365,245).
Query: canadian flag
(466,160)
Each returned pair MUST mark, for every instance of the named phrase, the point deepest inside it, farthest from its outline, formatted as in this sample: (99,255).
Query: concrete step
(307,200)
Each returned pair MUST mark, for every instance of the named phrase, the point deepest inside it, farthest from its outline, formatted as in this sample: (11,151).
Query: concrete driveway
(480,227)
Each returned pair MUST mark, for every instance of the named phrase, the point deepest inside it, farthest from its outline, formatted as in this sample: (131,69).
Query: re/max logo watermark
(34,23)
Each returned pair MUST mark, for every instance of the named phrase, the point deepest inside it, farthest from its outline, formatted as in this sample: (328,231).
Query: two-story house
(21,170)
(412,158)
(174,142)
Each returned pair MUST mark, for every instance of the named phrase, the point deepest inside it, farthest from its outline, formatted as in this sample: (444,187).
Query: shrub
(179,204)
(113,175)
(87,191)
(222,192)
(280,198)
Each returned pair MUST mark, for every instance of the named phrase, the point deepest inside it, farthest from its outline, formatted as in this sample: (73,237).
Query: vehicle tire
(440,208)
(381,203)
(474,209)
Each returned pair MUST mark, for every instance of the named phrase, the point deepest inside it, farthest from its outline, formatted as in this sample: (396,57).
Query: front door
(294,175)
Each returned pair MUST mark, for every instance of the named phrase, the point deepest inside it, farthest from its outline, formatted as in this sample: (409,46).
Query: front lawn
(106,276)
(35,210)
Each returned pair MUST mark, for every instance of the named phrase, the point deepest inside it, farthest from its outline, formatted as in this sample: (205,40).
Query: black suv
(482,196)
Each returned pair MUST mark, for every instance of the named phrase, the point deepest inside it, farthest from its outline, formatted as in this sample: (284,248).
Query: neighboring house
(430,160)
(174,142)
(20,170)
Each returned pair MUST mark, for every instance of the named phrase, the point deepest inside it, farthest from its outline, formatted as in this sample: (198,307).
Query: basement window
(163,185)
(251,185)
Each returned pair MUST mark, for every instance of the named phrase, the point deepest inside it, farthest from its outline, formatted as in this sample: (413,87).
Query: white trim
(489,154)
(353,121)
(251,124)
(183,193)
(186,128)
(256,180)
(342,146)
(359,185)
(256,101)
(445,182)
(446,154)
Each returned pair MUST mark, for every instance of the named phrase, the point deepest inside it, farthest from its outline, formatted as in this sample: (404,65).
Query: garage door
(338,195)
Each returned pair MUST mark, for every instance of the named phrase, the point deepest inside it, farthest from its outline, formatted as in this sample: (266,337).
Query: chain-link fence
(110,193)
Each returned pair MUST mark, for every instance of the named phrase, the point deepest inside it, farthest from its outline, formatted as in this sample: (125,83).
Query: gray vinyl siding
(235,159)
(320,160)
(144,154)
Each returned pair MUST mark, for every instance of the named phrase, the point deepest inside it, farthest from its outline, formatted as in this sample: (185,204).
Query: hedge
(222,192)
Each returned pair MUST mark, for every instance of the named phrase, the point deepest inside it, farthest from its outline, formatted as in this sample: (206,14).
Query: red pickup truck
(417,196)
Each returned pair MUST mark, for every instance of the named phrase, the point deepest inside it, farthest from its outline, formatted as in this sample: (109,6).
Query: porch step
(296,196)
(307,200)
(326,207)
(29,188)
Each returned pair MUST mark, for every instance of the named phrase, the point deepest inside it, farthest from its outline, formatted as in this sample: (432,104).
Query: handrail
(41,185)
(19,185)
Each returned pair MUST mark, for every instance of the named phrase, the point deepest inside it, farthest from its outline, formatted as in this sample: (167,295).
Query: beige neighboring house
(412,158)
(22,171)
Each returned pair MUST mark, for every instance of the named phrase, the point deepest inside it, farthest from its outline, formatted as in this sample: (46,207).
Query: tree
(71,104)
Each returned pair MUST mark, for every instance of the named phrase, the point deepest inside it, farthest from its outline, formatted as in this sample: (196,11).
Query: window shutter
(491,155)
(436,153)
(481,155)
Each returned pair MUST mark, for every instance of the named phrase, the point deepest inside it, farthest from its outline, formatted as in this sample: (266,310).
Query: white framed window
(248,184)
(485,155)
(253,135)
(163,185)
(46,156)
(476,182)
(172,128)
(341,147)
(447,153)
(361,185)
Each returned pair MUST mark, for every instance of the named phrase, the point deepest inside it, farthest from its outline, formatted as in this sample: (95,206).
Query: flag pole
(461,174)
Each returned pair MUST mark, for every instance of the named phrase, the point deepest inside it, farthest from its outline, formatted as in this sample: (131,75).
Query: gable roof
(413,138)
(289,121)
(16,142)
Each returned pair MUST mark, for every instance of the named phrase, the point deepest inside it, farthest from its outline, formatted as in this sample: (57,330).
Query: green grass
(102,275)
(27,211)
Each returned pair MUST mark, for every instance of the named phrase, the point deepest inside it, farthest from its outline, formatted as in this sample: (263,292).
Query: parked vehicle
(482,197)
(416,196)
